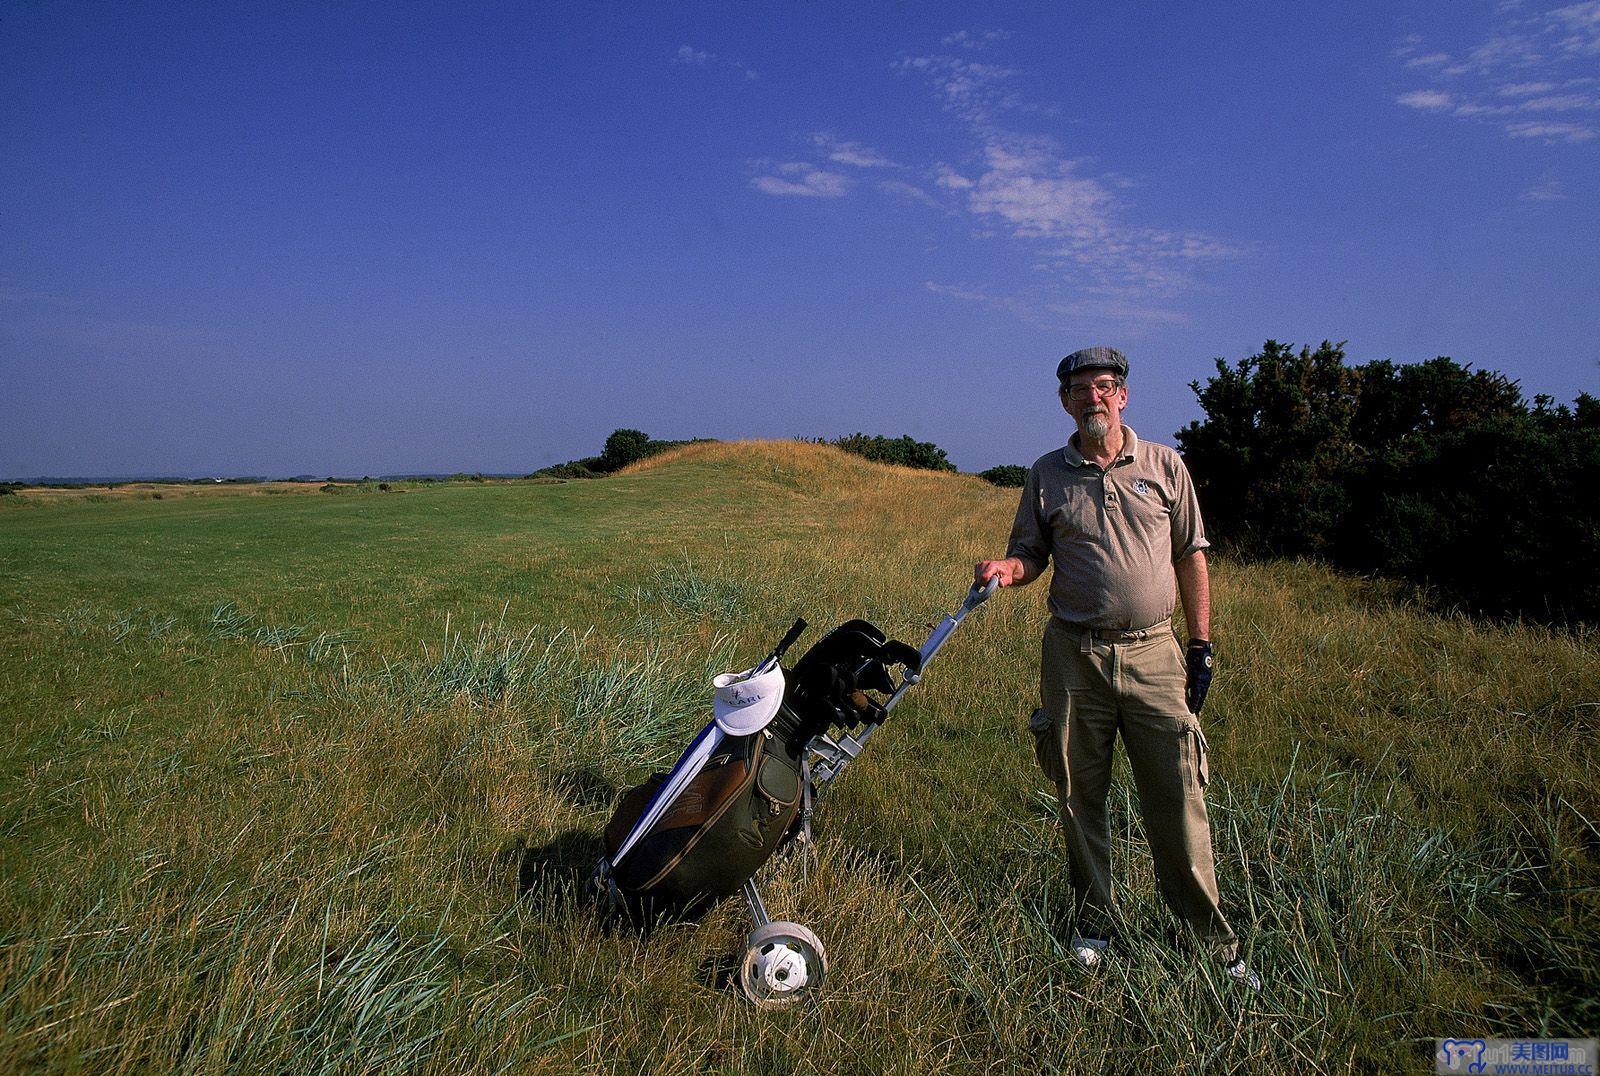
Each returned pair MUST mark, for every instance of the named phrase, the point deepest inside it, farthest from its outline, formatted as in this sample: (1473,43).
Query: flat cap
(1093,358)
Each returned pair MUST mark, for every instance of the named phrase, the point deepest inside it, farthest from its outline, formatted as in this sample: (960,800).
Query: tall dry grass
(236,841)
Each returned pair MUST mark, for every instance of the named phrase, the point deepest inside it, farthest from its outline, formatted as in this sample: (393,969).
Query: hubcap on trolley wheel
(783,963)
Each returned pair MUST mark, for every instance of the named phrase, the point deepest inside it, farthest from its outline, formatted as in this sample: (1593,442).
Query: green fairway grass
(306,783)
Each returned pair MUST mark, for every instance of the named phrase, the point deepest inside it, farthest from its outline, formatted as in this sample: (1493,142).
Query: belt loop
(1086,641)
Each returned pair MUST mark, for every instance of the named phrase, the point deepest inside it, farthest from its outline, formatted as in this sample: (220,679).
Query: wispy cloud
(974,91)
(798,178)
(1524,89)
(1071,222)
(688,54)
(976,41)
(852,153)
(1552,132)
(1027,187)
(1057,313)
(908,191)
(1531,63)
(1427,100)
(1551,190)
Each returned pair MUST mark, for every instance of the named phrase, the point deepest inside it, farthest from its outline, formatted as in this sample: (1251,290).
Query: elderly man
(1119,518)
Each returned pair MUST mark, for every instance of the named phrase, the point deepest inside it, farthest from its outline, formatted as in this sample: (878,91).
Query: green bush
(1431,472)
(624,447)
(902,450)
(1007,474)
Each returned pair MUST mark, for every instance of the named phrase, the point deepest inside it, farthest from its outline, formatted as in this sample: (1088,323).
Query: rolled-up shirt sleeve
(1028,541)
(1188,530)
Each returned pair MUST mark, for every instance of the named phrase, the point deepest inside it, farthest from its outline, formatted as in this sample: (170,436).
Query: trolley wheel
(783,964)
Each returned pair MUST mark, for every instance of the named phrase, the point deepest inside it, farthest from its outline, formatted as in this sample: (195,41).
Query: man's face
(1095,399)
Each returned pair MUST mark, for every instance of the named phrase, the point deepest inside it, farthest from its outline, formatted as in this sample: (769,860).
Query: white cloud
(688,54)
(1566,102)
(967,40)
(908,191)
(1407,46)
(1038,194)
(1057,314)
(1066,219)
(971,90)
(1427,100)
(1579,28)
(852,153)
(1551,190)
(804,180)
(1523,89)
(1552,132)
(1530,62)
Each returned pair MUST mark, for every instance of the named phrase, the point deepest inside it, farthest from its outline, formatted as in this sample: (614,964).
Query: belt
(1115,635)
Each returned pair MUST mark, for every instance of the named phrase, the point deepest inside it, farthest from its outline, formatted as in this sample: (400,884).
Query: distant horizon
(406,234)
(212,476)
(202,474)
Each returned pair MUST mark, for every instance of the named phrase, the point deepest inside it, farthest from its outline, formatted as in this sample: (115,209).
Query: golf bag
(746,802)
(746,785)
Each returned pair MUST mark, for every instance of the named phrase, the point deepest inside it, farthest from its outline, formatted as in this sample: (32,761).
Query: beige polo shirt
(1114,535)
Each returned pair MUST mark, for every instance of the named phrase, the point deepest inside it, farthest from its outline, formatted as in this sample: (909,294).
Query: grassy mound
(306,783)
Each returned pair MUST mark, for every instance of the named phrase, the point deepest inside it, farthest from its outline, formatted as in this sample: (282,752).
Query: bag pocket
(1047,746)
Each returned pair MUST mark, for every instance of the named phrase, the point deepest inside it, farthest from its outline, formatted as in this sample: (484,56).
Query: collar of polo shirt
(1130,441)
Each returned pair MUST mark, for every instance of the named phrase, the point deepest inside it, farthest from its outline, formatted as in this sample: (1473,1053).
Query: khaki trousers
(1090,689)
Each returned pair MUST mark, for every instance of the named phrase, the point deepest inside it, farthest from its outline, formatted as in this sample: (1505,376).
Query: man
(1119,518)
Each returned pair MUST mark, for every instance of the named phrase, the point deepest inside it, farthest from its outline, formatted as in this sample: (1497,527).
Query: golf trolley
(748,785)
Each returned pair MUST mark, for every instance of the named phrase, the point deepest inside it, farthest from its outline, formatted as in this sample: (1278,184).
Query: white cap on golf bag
(745,702)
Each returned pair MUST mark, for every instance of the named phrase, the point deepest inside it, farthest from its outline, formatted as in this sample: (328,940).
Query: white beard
(1096,426)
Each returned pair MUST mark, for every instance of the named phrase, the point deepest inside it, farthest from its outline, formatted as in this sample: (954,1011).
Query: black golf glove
(1198,681)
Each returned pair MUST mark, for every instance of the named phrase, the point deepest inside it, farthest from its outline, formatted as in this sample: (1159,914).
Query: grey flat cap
(1093,358)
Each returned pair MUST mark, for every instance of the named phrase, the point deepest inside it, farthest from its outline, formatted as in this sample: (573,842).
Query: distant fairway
(276,769)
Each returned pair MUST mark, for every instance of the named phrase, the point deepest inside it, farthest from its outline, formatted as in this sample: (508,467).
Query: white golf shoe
(1241,973)
(1089,952)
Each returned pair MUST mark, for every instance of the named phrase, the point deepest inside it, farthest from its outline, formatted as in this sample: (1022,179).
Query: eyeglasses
(1101,387)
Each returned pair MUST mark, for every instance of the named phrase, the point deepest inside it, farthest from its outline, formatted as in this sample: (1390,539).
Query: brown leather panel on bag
(704,797)
(629,810)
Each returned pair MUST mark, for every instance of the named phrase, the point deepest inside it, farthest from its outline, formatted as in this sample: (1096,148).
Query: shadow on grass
(555,875)
(557,878)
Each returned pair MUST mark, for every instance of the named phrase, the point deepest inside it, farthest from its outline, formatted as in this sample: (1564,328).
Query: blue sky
(378,238)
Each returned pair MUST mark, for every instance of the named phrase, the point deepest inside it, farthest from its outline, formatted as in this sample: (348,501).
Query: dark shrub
(1007,474)
(1432,472)
(624,447)
(902,450)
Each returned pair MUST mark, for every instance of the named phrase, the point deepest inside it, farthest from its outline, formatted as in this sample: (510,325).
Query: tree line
(1431,472)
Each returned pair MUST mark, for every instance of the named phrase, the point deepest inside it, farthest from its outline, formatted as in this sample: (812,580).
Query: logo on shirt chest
(1141,487)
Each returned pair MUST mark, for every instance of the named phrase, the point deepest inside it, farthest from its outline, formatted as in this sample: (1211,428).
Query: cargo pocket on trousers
(1047,745)
(1198,750)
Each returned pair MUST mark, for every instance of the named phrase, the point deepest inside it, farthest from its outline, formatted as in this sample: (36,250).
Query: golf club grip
(789,637)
